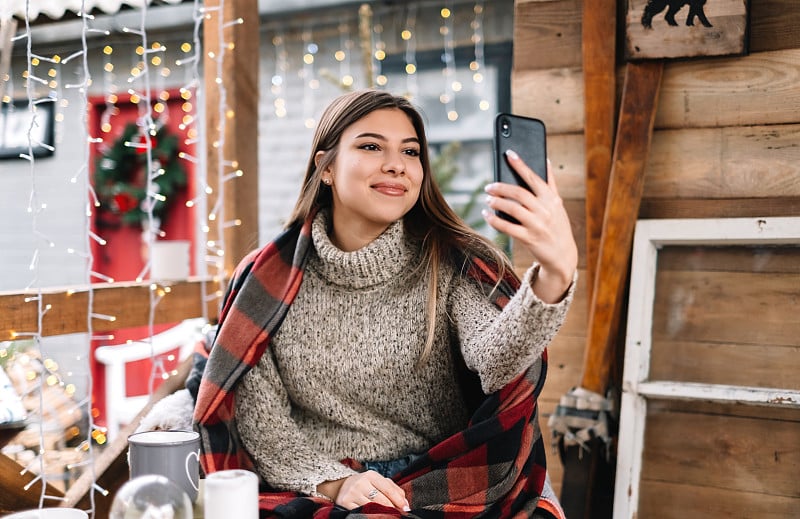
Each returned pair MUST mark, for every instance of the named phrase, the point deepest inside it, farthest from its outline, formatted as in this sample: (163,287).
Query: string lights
(451,84)
(379,55)
(281,65)
(310,81)
(409,37)
(342,55)
(227,168)
(145,85)
(146,78)
(478,65)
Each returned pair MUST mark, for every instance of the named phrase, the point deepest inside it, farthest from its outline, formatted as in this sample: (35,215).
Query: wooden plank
(552,25)
(773,25)
(563,365)
(767,365)
(552,95)
(764,260)
(715,408)
(719,393)
(731,162)
(566,154)
(760,89)
(676,500)
(734,453)
(554,467)
(128,303)
(720,29)
(13,496)
(719,208)
(231,109)
(599,55)
(727,307)
(637,114)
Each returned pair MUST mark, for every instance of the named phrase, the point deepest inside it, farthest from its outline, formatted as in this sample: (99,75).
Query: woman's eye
(369,147)
(412,152)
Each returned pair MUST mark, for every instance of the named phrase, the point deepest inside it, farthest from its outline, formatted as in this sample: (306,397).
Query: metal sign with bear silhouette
(685,28)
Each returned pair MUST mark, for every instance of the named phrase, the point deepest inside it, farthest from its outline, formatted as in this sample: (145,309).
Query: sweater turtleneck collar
(384,258)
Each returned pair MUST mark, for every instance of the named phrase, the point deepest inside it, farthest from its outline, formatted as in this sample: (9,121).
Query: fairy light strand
(380,52)
(311,83)
(34,208)
(217,215)
(478,65)
(281,65)
(200,173)
(448,57)
(89,236)
(409,36)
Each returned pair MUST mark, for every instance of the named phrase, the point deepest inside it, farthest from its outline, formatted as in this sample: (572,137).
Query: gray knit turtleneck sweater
(339,379)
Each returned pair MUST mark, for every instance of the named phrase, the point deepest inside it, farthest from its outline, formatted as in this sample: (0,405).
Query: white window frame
(649,237)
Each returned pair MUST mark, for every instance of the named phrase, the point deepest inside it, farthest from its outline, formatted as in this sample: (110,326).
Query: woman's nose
(394,163)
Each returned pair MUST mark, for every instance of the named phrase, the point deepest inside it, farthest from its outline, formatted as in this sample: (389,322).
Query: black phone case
(527,137)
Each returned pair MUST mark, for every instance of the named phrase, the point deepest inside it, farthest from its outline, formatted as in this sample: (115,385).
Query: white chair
(121,408)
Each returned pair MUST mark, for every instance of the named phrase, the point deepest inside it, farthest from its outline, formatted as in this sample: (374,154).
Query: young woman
(338,360)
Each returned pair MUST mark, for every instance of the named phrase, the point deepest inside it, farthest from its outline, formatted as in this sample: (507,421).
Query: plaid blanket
(495,468)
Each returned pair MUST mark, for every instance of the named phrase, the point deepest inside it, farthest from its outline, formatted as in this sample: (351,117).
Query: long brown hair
(444,235)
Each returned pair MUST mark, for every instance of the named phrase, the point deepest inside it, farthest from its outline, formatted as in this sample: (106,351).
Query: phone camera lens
(505,128)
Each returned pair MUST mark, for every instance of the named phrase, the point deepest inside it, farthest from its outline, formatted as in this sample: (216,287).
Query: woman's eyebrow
(381,137)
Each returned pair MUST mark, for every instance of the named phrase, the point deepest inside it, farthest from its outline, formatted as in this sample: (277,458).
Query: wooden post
(598,50)
(584,475)
(231,111)
(634,133)
(599,79)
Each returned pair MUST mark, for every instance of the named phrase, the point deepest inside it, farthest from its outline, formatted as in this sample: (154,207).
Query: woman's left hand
(543,227)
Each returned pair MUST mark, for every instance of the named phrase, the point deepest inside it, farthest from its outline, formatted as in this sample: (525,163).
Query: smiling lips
(390,188)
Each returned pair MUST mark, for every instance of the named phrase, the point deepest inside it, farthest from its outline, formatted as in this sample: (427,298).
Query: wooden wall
(726,144)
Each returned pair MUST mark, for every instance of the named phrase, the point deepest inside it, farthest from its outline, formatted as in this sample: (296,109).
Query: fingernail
(511,154)
(488,187)
(485,213)
(489,199)
(406,508)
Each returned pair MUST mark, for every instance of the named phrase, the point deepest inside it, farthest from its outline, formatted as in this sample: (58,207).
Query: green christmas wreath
(120,177)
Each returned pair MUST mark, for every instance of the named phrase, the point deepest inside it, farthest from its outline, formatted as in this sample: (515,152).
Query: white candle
(231,493)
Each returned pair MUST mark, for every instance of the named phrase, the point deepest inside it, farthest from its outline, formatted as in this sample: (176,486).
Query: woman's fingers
(530,177)
(371,487)
(392,492)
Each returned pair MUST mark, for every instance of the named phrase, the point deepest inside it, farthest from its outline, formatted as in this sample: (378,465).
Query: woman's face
(377,174)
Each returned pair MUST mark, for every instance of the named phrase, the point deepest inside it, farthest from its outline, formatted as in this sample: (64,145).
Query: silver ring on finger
(372,493)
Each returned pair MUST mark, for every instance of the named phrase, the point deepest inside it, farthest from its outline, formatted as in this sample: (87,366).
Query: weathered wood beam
(598,51)
(599,80)
(634,134)
(128,303)
(231,60)
(13,495)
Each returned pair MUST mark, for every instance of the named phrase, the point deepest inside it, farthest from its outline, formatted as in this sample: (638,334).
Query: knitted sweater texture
(340,379)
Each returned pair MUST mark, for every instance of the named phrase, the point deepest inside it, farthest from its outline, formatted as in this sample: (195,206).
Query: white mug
(172,454)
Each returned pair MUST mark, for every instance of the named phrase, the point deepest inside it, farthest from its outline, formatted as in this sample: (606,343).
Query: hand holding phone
(527,137)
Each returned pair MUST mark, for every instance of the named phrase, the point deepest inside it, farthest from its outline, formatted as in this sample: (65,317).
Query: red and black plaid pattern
(495,468)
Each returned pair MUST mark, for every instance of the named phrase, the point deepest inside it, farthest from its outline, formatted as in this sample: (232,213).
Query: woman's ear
(317,157)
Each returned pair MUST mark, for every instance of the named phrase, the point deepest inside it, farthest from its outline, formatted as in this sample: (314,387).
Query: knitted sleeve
(280,450)
(499,345)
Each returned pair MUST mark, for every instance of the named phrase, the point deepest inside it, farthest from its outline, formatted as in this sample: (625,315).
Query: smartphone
(527,137)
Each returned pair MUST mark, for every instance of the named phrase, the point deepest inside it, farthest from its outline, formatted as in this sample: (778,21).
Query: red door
(124,254)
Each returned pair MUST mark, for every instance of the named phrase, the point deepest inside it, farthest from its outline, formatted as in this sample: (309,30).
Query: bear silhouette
(654,7)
